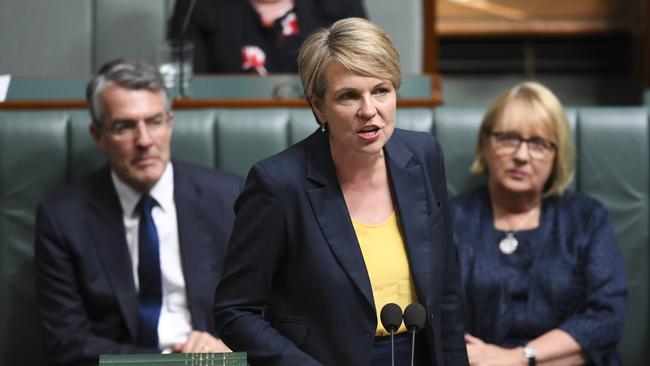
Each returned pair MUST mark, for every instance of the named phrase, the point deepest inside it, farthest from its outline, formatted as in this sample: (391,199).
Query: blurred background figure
(253,36)
(542,276)
(324,236)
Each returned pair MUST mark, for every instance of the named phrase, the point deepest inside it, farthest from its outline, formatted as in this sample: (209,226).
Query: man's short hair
(129,74)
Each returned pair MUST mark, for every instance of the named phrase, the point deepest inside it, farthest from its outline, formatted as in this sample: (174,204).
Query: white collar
(162,191)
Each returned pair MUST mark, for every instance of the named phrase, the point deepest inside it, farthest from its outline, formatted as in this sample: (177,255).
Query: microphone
(414,317)
(391,319)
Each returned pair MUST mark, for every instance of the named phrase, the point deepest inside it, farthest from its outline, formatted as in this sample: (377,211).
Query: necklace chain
(509,244)
(523,222)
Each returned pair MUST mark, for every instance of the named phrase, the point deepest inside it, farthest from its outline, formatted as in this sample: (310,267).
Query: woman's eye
(539,143)
(348,96)
(381,91)
(509,138)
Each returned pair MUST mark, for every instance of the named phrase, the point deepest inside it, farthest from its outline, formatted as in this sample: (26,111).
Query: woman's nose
(367,108)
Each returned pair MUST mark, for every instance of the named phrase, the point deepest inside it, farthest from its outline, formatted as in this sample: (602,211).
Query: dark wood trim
(530,29)
(210,103)
(43,104)
(644,68)
(430,38)
(180,103)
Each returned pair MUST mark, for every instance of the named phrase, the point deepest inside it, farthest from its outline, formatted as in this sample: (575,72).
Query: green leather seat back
(457,132)
(302,124)
(84,156)
(194,135)
(33,163)
(246,136)
(415,119)
(613,167)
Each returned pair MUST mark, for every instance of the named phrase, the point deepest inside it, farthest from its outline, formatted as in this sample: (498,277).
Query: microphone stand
(392,346)
(412,346)
(414,319)
(181,66)
(181,56)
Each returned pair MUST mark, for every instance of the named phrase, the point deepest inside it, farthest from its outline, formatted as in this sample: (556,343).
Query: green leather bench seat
(41,151)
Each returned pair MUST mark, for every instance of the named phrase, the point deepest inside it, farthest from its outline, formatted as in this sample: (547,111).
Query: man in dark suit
(127,258)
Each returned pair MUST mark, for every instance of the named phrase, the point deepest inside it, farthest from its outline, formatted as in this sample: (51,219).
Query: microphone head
(391,317)
(414,317)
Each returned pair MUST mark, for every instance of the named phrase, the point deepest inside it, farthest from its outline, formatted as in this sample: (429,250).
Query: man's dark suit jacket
(86,293)
(295,290)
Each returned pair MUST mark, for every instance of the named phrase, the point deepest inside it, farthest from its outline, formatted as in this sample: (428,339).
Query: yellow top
(385,256)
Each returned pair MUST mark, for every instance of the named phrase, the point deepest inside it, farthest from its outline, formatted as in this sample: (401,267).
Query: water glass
(174,59)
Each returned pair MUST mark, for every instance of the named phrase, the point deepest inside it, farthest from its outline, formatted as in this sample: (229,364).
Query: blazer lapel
(106,228)
(193,239)
(332,214)
(408,185)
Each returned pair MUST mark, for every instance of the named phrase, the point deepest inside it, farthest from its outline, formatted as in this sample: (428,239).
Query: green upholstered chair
(246,136)
(613,167)
(83,154)
(194,135)
(457,131)
(33,162)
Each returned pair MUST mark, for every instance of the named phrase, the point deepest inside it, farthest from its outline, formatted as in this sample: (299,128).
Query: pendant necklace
(509,244)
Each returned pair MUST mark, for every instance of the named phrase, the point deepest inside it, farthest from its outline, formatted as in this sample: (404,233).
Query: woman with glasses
(542,276)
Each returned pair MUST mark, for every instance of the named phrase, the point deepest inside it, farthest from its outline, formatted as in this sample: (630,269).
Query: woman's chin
(519,187)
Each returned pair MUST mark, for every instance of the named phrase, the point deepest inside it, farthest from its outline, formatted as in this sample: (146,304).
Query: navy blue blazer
(567,274)
(85,290)
(295,290)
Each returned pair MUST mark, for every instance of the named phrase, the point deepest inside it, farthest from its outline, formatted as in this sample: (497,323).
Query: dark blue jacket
(295,290)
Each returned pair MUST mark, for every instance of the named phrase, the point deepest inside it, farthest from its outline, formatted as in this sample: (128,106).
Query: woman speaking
(351,218)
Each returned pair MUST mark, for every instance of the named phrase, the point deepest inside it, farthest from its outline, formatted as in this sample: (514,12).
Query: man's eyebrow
(124,120)
(129,120)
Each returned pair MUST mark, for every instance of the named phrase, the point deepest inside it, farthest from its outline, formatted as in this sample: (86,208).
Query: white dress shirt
(175,320)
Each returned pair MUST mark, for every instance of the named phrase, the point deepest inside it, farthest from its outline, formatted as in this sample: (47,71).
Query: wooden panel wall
(537,17)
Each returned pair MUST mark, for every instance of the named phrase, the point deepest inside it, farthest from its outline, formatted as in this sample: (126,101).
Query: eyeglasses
(128,129)
(508,143)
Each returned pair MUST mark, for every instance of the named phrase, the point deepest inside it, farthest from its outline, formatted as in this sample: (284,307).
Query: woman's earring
(322,127)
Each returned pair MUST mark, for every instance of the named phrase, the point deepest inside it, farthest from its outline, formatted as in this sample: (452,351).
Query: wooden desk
(208,92)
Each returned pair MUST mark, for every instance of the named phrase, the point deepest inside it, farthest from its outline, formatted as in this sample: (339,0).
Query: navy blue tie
(148,275)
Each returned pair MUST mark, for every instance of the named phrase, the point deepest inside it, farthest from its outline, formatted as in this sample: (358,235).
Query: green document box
(176,359)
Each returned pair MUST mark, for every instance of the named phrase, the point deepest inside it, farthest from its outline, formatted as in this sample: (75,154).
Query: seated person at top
(542,276)
(127,257)
(253,36)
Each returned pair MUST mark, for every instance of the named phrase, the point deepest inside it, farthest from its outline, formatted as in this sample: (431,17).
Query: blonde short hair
(359,45)
(540,107)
